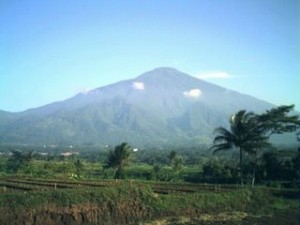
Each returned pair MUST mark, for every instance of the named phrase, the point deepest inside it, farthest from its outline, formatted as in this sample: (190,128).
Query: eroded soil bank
(134,214)
(236,218)
(127,212)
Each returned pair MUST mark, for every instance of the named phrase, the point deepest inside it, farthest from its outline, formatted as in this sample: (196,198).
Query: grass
(257,201)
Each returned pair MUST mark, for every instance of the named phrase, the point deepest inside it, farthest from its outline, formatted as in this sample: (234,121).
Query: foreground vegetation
(138,201)
(83,186)
(66,189)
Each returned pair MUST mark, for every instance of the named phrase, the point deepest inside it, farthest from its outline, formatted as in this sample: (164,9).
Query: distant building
(69,153)
(43,153)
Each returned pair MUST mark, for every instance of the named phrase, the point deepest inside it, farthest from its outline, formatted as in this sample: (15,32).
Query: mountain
(160,107)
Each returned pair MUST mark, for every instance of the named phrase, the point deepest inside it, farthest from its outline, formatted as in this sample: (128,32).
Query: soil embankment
(132,213)
(127,212)
(235,218)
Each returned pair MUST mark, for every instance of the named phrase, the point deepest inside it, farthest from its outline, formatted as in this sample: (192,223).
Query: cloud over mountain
(193,93)
(138,85)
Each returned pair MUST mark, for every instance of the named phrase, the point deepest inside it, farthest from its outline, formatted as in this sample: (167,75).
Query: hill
(160,107)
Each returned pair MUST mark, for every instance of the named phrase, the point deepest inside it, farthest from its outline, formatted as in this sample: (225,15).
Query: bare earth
(235,218)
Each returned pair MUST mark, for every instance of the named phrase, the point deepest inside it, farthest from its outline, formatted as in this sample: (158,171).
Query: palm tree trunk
(241,167)
(254,169)
(253,176)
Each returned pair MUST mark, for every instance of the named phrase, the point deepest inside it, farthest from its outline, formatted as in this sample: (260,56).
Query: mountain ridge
(158,107)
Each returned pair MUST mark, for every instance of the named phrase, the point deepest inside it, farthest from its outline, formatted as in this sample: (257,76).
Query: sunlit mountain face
(160,107)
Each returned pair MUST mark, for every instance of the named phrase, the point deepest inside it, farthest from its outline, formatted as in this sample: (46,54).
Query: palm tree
(239,136)
(119,158)
(250,132)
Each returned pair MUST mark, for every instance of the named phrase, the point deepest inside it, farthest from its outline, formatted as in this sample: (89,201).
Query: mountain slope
(162,106)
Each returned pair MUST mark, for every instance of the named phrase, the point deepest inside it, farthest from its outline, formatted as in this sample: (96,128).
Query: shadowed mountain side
(163,106)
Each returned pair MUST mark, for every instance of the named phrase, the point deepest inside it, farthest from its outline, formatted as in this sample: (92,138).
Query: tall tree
(119,158)
(238,136)
(296,162)
(277,121)
(250,132)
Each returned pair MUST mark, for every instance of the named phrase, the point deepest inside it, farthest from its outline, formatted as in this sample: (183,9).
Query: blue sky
(52,49)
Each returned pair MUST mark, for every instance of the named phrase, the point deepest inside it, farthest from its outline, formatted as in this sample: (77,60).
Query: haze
(51,50)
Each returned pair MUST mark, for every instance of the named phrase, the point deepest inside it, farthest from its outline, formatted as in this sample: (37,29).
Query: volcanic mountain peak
(161,72)
(158,107)
(165,75)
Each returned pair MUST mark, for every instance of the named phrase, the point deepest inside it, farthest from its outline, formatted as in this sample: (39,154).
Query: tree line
(248,134)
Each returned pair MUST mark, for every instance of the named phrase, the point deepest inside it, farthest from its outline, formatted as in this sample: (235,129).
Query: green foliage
(250,132)
(18,160)
(278,121)
(119,158)
(219,172)
(240,135)
(61,197)
(65,168)
(277,168)
(280,167)
(176,161)
(79,167)
(203,200)
(250,200)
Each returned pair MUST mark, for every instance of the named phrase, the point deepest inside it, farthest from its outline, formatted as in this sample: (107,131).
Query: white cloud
(193,93)
(214,75)
(138,85)
(83,90)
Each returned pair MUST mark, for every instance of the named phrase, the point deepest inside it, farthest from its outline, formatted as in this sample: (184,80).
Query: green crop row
(241,199)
